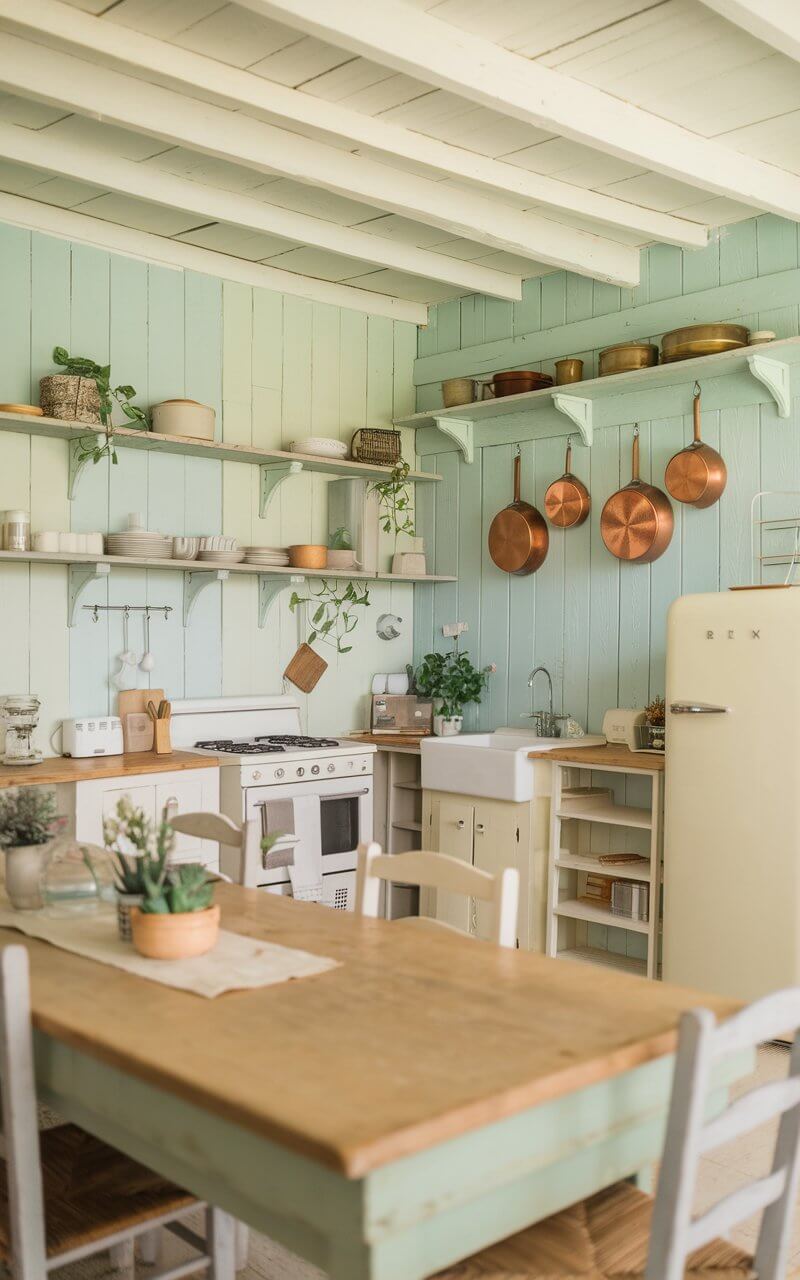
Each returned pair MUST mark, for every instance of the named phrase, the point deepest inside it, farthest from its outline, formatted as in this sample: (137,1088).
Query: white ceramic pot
(183,418)
(447,726)
(24,867)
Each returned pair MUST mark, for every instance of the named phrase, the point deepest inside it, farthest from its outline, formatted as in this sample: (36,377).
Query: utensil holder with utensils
(161,716)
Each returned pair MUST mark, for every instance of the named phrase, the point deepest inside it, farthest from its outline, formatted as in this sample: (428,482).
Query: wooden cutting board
(133,702)
(305,669)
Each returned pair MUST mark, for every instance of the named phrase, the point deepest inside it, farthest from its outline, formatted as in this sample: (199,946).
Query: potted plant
(177,919)
(27,819)
(451,681)
(655,714)
(83,393)
(132,828)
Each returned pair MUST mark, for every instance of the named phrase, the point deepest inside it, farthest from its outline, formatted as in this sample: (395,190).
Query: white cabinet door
(185,793)
(190,790)
(455,825)
(497,846)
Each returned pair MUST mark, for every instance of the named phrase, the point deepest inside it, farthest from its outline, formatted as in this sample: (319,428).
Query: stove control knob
(279,773)
(315,768)
(331,768)
(349,764)
(256,775)
(300,772)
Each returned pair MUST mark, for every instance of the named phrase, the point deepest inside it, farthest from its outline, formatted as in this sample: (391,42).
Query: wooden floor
(721,1175)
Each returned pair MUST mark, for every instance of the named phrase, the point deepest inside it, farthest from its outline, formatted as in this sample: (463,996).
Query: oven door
(333,815)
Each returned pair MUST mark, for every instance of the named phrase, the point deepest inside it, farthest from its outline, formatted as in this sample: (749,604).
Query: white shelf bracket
(80,577)
(777,378)
(579,410)
(462,431)
(78,465)
(270,588)
(196,581)
(272,475)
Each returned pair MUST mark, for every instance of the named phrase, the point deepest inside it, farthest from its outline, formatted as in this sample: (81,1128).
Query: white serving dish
(184,418)
(320,447)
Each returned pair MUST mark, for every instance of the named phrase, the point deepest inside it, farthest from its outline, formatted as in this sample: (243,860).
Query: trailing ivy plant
(394,497)
(83,367)
(334,618)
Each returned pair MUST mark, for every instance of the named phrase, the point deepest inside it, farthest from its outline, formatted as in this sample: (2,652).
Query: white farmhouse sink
(494,765)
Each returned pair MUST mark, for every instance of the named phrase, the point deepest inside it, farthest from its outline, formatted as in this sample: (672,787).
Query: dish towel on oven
(305,873)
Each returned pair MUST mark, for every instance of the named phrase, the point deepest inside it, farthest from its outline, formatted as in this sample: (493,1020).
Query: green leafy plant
(451,678)
(185,888)
(83,367)
(27,816)
(334,617)
(269,841)
(394,498)
(341,539)
(165,889)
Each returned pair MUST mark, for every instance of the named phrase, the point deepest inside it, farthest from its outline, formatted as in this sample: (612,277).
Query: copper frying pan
(697,475)
(518,537)
(637,521)
(567,502)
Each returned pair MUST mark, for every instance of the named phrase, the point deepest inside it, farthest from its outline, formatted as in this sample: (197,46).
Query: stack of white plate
(320,447)
(222,557)
(139,544)
(269,557)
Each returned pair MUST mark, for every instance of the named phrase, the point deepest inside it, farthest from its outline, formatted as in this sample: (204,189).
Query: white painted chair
(64,1194)
(244,842)
(623,1231)
(439,871)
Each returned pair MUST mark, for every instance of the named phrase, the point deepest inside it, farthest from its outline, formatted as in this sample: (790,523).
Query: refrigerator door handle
(696,709)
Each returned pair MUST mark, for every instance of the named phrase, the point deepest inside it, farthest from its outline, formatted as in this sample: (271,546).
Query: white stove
(315,791)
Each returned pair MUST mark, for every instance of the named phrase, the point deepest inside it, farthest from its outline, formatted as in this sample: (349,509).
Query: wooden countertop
(63,769)
(417,1037)
(408,740)
(596,757)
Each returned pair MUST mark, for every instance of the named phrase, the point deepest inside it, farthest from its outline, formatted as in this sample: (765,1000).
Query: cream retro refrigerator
(732,818)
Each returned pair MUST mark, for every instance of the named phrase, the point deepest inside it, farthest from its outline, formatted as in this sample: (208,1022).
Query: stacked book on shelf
(628,898)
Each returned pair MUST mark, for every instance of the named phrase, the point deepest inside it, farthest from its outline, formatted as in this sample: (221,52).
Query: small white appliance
(316,790)
(623,725)
(91,736)
(732,819)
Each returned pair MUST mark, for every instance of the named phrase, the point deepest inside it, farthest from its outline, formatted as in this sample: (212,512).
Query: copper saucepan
(697,475)
(637,521)
(518,537)
(567,502)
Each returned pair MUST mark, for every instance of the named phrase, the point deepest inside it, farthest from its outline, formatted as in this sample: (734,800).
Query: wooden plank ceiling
(292,135)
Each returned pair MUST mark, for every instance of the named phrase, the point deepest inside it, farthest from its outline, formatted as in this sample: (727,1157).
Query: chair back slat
(675,1234)
(208,826)
(20,1125)
(439,871)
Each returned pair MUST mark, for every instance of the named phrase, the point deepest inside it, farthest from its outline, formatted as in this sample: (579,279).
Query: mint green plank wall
(599,625)
(274,368)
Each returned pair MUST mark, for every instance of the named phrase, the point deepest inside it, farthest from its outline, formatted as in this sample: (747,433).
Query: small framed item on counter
(402,713)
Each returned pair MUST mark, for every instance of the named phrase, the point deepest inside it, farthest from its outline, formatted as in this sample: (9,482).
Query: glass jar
(16,531)
(21,716)
(78,878)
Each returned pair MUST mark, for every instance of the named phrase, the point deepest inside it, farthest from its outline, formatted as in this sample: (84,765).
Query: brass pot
(627,356)
(702,340)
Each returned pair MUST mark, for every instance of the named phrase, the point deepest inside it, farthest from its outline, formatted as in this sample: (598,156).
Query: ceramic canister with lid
(16,531)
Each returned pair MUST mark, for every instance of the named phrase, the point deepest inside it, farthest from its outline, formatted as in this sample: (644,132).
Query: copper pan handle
(516,476)
(696,412)
(568,459)
(635,459)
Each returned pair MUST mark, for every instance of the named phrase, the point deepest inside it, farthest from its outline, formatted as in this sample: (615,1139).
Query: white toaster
(92,736)
(623,725)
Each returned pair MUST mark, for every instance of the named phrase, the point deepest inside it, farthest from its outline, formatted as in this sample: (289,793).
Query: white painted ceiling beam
(147,56)
(84,229)
(88,164)
(52,76)
(776,22)
(412,41)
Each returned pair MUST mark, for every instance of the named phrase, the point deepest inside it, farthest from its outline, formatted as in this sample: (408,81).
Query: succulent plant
(177,890)
(165,889)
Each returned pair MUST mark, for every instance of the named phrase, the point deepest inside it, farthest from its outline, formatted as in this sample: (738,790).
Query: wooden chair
(623,1232)
(439,871)
(64,1194)
(244,841)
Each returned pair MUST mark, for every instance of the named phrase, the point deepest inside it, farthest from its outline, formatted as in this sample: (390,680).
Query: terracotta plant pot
(175,937)
(24,867)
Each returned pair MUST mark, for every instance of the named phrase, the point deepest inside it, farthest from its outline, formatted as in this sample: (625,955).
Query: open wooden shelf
(618,871)
(407,824)
(572,909)
(607,959)
(616,815)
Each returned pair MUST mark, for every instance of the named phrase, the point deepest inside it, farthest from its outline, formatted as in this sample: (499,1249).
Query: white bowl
(320,447)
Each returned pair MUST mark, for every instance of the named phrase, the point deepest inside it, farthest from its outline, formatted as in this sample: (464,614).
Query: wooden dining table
(384,1119)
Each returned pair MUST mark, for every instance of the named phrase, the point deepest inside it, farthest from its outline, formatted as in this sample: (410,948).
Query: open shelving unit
(568,912)
(748,375)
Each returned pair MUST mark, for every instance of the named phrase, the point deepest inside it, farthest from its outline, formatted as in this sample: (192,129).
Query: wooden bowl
(308,555)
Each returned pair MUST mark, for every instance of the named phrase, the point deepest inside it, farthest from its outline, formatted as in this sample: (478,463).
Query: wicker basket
(64,395)
(377,445)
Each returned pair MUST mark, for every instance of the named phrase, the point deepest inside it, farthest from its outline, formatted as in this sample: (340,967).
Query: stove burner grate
(296,740)
(247,748)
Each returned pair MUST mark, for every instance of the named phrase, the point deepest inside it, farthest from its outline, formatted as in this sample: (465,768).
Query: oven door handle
(345,795)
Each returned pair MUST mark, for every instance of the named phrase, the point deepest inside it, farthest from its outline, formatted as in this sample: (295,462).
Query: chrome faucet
(546,726)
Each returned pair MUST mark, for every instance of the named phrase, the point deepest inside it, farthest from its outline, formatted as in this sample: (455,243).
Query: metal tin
(702,340)
(627,356)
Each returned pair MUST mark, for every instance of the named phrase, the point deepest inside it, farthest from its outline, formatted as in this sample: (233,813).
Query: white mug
(47,541)
(94,543)
(397,683)
(81,542)
(68,542)
(379,684)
